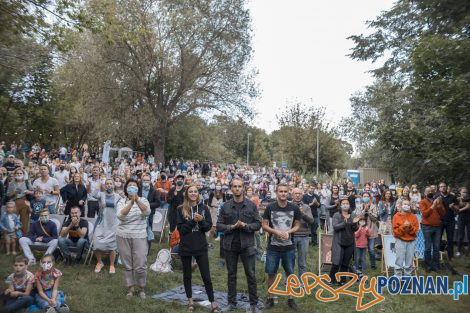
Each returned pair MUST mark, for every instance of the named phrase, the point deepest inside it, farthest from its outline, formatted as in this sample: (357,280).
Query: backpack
(163,262)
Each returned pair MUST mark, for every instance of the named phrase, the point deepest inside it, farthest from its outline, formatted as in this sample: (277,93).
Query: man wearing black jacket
(239,220)
(175,199)
(149,193)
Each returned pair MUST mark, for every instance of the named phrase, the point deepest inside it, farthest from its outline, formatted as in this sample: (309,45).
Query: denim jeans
(432,239)
(43,304)
(16,304)
(313,230)
(449,228)
(301,247)
(25,242)
(405,251)
(52,209)
(371,245)
(248,258)
(361,259)
(273,258)
(65,243)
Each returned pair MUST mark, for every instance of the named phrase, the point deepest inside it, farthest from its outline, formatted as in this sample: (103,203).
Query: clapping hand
(198,217)
(283,235)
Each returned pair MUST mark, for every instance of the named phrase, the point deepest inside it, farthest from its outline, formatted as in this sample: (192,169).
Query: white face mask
(46,266)
(406,208)
(362,222)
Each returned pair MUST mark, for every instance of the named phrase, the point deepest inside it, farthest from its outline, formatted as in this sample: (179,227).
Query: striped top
(134,224)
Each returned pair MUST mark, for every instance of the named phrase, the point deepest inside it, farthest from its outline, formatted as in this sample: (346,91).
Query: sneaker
(64,308)
(229,307)
(32,262)
(130,292)
(269,303)
(99,266)
(291,304)
(51,310)
(142,294)
(456,253)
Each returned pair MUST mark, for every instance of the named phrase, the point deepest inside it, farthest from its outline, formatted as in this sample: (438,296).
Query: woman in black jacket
(193,220)
(74,194)
(342,249)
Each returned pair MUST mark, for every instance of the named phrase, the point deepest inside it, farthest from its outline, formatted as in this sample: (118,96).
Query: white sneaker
(32,262)
(64,308)
(457,253)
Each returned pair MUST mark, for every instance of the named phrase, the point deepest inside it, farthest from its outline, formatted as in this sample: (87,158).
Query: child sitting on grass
(18,294)
(10,226)
(49,297)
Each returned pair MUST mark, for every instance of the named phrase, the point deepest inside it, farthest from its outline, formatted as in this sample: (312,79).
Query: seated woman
(105,232)
(193,220)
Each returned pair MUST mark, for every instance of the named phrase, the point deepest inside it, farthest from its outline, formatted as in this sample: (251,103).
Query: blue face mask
(132,190)
(365,200)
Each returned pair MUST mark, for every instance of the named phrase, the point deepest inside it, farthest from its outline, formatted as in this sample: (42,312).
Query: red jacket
(402,231)
(361,236)
(431,217)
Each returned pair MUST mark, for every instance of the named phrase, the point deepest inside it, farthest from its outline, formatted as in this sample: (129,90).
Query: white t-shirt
(63,150)
(76,165)
(11,221)
(60,176)
(46,188)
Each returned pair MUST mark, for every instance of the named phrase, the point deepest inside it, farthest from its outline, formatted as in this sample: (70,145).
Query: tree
(156,62)
(414,119)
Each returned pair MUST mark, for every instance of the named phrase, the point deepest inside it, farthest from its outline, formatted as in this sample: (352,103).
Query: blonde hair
(186,207)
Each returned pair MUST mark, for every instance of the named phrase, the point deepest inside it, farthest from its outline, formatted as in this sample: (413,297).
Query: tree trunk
(159,143)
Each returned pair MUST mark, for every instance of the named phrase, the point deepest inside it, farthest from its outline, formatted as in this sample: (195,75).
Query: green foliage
(414,120)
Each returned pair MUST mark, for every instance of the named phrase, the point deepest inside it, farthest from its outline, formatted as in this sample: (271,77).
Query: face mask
(62,168)
(44,219)
(218,187)
(406,208)
(179,182)
(249,194)
(46,266)
(212,187)
(345,207)
(146,185)
(132,190)
(362,222)
(118,184)
(109,190)
(225,187)
(365,200)
(430,195)
(19,177)
(415,190)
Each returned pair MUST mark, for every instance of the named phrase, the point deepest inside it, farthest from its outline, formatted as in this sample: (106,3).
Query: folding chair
(58,220)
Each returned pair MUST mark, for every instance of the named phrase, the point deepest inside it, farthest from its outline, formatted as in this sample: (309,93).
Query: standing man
(313,201)
(281,219)
(239,220)
(49,187)
(175,199)
(93,188)
(149,193)
(450,203)
(74,233)
(62,175)
(432,212)
(301,236)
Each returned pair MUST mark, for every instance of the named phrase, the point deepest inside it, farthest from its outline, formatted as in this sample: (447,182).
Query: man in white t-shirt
(49,187)
(62,153)
(62,176)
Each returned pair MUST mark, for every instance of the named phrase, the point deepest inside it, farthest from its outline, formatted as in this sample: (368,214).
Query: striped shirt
(134,224)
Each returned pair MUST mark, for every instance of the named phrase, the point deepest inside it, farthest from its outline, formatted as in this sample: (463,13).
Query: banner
(389,250)
(159,220)
(106,149)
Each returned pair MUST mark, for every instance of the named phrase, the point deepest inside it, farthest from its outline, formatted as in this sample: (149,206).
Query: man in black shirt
(281,220)
(239,220)
(74,233)
(449,201)
(175,199)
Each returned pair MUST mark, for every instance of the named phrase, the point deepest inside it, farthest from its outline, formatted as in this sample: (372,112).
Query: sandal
(190,308)
(99,266)
(112,270)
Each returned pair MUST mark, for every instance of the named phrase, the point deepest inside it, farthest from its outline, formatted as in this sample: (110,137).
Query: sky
(300,52)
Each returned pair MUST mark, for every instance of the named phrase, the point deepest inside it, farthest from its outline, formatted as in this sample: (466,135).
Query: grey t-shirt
(281,219)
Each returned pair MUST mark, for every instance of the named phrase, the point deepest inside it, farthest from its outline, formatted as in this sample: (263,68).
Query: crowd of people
(205,202)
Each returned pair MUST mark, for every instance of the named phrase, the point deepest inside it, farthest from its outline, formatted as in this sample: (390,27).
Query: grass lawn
(89,292)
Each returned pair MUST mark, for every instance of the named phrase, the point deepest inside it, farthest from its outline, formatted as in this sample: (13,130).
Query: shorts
(273,258)
(10,236)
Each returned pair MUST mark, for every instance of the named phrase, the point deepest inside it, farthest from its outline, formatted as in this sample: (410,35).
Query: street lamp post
(248,150)
(318,147)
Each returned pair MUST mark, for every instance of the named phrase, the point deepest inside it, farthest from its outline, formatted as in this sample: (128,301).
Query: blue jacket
(5,225)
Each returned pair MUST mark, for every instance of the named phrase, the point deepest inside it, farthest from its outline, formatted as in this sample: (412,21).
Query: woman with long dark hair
(74,194)
(193,220)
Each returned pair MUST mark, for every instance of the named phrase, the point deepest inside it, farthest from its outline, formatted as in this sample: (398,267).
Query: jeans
(93,208)
(43,304)
(405,251)
(248,257)
(313,230)
(273,258)
(371,245)
(52,209)
(464,224)
(449,227)
(65,243)
(203,264)
(301,247)
(16,304)
(432,239)
(361,259)
(25,242)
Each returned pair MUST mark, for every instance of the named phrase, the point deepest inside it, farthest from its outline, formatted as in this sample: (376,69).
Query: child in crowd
(17,296)
(361,235)
(36,205)
(10,226)
(48,296)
